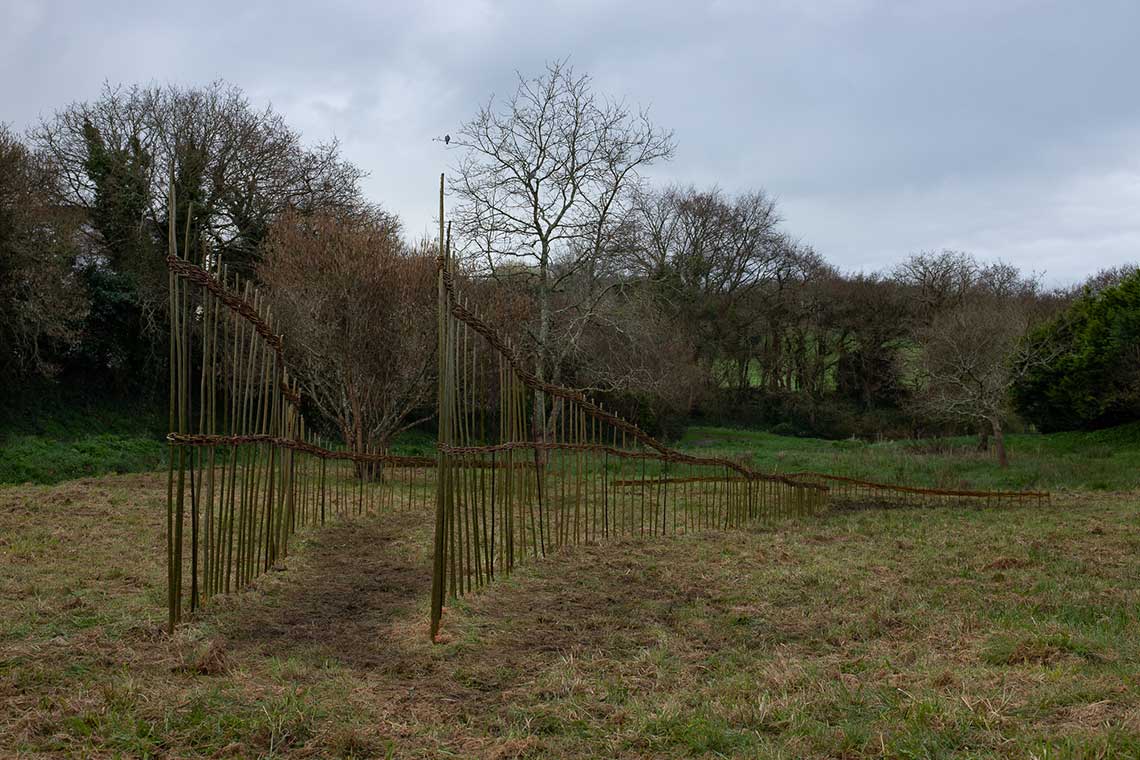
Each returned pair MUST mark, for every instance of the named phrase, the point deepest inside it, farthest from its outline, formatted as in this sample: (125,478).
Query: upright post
(442,476)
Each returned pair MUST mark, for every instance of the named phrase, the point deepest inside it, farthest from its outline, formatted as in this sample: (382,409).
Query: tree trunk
(774,362)
(999,444)
(538,409)
(348,432)
(984,439)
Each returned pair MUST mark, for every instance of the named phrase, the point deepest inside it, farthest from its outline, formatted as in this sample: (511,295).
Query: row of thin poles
(525,470)
(503,511)
(245,472)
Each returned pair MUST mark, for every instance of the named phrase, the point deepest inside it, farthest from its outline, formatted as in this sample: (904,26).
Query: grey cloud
(1008,128)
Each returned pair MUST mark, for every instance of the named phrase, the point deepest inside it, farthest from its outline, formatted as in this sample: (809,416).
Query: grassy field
(902,633)
(1105,460)
(57,438)
(68,441)
(65,440)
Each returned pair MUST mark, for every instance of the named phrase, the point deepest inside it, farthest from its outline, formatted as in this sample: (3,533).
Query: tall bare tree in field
(356,306)
(545,183)
(938,281)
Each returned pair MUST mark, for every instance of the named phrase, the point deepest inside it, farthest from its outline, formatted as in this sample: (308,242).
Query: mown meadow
(1102,460)
(902,633)
(61,440)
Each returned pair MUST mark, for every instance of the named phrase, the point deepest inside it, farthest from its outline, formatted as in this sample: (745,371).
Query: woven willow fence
(855,491)
(245,471)
(526,467)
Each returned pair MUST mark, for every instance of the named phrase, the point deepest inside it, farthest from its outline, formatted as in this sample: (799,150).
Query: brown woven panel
(246,472)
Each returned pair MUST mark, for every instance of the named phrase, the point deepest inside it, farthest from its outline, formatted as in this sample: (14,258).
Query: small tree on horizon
(970,356)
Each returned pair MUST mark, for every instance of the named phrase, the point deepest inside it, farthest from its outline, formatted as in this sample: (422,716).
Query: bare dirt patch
(355,581)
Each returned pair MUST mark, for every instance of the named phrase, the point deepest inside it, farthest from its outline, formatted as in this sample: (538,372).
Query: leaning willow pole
(526,467)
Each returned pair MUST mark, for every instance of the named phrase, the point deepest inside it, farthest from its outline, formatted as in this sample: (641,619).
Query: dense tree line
(1092,378)
(669,301)
(102,169)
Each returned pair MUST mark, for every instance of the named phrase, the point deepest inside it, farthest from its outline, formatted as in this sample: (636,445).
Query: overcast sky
(1008,129)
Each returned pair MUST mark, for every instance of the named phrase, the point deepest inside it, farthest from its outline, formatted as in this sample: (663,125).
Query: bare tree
(721,265)
(939,280)
(635,347)
(1105,278)
(545,182)
(41,296)
(356,307)
(972,354)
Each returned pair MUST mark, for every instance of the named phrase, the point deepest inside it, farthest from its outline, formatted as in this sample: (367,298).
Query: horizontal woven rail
(845,486)
(309,448)
(696,479)
(672,457)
